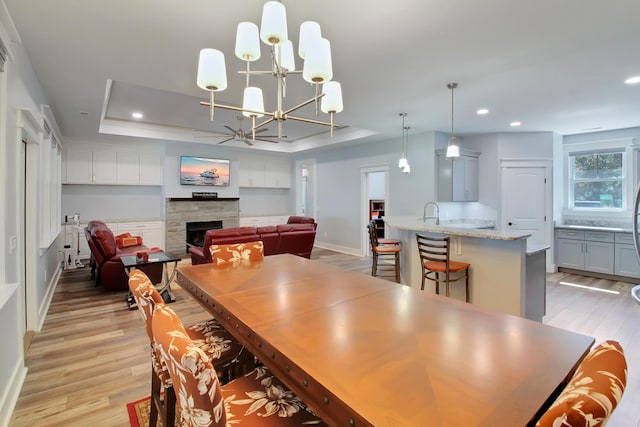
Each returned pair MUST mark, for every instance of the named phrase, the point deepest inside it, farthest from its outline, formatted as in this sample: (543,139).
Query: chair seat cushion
(387,248)
(259,398)
(388,241)
(441,266)
(593,392)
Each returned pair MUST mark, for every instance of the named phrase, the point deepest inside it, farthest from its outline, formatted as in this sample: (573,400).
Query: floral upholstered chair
(257,399)
(593,392)
(231,358)
(237,253)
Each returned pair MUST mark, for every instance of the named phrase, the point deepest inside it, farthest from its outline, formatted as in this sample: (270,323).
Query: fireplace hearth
(195,231)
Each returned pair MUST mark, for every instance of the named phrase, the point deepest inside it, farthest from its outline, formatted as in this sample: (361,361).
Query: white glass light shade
(212,72)
(317,62)
(406,169)
(252,100)
(332,100)
(273,27)
(247,42)
(309,31)
(285,56)
(453,149)
(402,163)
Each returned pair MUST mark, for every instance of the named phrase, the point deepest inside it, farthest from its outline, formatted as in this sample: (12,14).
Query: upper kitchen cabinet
(96,165)
(457,179)
(262,172)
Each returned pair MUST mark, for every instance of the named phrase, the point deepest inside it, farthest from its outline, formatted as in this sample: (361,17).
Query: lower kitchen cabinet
(597,251)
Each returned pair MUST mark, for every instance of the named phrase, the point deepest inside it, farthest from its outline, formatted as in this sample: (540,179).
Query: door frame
(547,165)
(364,201)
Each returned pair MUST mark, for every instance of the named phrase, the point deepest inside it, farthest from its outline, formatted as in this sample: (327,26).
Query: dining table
(363,351)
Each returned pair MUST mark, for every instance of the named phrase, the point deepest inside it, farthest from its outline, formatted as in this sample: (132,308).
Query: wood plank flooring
(92,355)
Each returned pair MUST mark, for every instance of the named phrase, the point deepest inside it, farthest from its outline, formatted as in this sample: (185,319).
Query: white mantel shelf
(416,224)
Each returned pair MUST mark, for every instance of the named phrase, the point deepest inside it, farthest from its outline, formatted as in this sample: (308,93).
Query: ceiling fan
(241,135)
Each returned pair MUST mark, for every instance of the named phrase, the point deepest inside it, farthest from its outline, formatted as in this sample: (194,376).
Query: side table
(131,262)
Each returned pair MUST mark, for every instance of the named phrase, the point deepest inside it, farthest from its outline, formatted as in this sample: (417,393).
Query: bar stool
(390,251)
(436,265)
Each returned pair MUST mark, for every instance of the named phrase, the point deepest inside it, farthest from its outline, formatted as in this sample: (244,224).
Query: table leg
(165,289)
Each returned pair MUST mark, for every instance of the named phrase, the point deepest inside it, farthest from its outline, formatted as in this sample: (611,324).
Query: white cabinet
(85,167)
(152,232)
(585,250)
(626,260)
(272,172)
(261,221)
(113,167)
(457,179)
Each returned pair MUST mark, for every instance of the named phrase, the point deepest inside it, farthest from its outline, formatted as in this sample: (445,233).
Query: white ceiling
(554,65)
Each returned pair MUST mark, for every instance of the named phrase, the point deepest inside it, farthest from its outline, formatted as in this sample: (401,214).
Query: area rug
(139,412)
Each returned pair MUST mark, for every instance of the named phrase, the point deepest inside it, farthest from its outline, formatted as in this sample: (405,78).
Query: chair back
(199,400)
(433,249)
(146,296)
(593,392)
(237,253)
(373,234)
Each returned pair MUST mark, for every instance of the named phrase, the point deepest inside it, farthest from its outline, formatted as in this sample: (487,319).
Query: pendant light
(402,163)
(453,149)
(407,168)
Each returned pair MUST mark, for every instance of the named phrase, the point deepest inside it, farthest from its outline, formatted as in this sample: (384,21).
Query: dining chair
(232,359)
(437,266)
(384,253)
(593,392)
(237,253)
(256,399)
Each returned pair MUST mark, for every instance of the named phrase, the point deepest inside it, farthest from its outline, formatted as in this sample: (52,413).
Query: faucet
(436,210)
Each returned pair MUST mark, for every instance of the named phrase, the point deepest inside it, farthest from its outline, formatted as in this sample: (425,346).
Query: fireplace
(197,229)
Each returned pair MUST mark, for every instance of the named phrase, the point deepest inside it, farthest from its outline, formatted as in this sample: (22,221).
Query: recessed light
(514,124)
(482,111)
(633,80)
(137,115)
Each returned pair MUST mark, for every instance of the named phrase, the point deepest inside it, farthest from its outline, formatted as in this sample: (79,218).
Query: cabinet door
(471,178)
(626,261)
(79,167)
(570,254)
(251,172)
(127,167)
(277,173)
(153,237)
(151,170)
(598,257)
(104,167)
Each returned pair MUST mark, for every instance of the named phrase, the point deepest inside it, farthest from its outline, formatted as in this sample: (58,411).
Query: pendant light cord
(452,86)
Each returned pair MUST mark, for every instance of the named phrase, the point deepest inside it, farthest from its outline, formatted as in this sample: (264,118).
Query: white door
(525,201)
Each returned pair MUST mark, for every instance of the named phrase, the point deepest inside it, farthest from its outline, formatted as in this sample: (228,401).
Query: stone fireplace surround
(179,211)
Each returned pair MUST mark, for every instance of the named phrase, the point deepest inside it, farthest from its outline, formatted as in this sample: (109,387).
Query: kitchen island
(506,275)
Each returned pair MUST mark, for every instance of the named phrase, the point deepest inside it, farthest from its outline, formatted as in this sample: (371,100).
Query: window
(597,179)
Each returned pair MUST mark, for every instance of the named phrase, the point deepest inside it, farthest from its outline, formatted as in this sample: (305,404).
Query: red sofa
(296,237)
(106,266)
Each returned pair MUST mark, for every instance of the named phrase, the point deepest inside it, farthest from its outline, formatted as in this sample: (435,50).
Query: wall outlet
(13,243)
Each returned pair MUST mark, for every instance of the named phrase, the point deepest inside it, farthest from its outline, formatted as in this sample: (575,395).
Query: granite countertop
(620,229)
(453,229)
(536,248)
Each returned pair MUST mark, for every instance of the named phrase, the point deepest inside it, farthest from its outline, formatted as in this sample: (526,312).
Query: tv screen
(204,171)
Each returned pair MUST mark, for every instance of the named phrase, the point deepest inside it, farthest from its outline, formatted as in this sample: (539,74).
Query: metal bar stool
(383,252)
(436,265)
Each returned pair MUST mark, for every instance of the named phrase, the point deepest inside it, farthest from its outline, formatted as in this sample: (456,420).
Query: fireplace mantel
(203,199)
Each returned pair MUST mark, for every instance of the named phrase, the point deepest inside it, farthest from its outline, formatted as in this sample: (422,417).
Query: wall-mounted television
(204,171)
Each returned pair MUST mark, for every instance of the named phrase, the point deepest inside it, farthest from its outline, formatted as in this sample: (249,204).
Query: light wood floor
(92,355)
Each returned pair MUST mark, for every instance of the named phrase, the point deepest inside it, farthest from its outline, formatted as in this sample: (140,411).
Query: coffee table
(131,262)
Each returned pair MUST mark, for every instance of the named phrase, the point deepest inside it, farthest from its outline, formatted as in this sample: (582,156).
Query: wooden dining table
(363,351)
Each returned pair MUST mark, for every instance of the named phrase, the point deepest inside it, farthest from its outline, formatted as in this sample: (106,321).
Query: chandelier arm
(266,122)
(231,107)
(316,122)
(255,72)
(307,102)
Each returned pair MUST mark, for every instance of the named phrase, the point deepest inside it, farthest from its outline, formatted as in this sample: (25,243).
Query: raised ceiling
(552,65)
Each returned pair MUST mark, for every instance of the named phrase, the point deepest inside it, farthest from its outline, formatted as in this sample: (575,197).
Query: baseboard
(11,393)
(338,248)
(599,275)
(51,289)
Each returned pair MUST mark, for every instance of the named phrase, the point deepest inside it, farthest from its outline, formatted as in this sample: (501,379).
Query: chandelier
(453,149)
(317,70)
(403,163)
